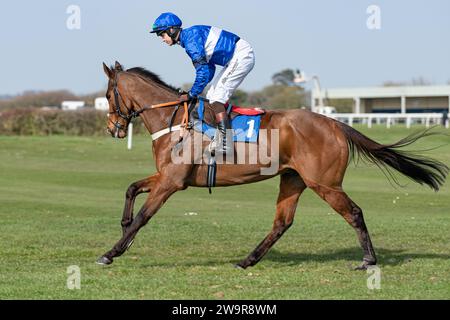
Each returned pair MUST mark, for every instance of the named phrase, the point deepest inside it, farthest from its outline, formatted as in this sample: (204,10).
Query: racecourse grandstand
(396,99)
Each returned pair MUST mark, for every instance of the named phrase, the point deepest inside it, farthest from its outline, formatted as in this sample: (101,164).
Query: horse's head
(131,92)
(119,115)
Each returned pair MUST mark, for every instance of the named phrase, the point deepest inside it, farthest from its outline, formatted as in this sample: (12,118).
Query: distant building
(72,105)
(324,109)
(101,103)
(402,99)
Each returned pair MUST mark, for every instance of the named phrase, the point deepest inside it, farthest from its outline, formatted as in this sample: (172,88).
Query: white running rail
(390,119)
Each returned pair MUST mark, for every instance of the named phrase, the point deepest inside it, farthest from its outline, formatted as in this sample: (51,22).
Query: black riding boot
(224,145)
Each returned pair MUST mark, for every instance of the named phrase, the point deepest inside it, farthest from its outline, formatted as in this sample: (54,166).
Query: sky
(330,39)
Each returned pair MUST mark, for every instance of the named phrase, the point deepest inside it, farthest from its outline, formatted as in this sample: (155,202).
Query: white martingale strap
(162,132)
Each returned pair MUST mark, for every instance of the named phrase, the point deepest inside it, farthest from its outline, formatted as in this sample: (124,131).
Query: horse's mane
(150,76)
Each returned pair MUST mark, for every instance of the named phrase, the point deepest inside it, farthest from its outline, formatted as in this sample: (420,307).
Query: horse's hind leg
(340,202)
(136,188)
(291,187)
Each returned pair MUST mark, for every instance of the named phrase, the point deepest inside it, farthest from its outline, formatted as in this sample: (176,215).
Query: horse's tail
(418,168)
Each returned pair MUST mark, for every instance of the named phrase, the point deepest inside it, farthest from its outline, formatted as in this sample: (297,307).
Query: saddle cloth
(245,124)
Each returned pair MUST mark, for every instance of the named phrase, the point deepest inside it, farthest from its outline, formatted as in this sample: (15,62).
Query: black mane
(152,77)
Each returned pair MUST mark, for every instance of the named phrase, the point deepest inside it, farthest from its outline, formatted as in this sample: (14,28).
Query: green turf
(61,203)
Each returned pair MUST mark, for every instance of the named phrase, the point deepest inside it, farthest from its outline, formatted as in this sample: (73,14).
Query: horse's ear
(108,71)
(118,66)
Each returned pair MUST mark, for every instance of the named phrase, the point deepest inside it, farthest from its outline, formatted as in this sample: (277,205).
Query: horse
(314,152)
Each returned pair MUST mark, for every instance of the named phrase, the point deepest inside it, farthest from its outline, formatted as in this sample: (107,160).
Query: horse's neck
(156,119)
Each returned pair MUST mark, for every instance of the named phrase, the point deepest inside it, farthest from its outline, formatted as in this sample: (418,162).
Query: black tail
(421,169)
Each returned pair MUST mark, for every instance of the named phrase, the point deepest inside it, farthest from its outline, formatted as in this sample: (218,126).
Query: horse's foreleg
(136,188)
(353,214)
(291,187)
(159,194)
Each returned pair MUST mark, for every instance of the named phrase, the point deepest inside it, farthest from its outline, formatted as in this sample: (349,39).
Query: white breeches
(232,75)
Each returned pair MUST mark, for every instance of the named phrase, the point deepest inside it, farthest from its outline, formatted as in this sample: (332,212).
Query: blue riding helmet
(165,21)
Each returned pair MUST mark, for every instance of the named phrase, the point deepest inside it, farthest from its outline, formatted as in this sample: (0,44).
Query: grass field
(61,204)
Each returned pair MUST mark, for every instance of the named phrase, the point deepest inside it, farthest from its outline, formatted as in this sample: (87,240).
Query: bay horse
(314,152)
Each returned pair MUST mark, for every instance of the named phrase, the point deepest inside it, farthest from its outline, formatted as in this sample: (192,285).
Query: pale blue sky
(327,38)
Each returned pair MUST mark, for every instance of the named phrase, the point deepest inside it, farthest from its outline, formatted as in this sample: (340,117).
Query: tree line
(282,93)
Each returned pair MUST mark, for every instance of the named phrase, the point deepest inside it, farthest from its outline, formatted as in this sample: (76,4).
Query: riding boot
(224,145)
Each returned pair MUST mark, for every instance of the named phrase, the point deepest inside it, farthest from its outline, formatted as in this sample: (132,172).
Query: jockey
(207,47)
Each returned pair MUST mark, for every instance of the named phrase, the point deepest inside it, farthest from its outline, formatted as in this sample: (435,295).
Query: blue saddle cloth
(245,128)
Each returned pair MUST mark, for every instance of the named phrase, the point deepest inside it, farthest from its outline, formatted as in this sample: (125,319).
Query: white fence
(389,119)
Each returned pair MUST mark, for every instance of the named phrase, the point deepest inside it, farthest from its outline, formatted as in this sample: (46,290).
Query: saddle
(202,117)
(245,123)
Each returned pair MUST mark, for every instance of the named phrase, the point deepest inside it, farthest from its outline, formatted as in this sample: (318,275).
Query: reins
(184,120)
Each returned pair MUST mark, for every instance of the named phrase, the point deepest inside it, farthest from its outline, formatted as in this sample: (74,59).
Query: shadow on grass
(388,257)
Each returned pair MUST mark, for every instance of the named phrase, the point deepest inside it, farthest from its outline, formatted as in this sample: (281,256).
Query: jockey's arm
(204,70)
(204,74)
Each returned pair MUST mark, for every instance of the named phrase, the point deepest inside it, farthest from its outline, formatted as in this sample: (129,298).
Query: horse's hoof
(239,266)
(361,267)
(104,261)
(364,266)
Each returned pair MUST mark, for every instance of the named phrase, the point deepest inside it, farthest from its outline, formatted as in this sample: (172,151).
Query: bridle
(127,117)
(131,114)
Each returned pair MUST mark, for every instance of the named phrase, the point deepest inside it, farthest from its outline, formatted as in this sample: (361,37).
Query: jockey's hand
(184,98)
